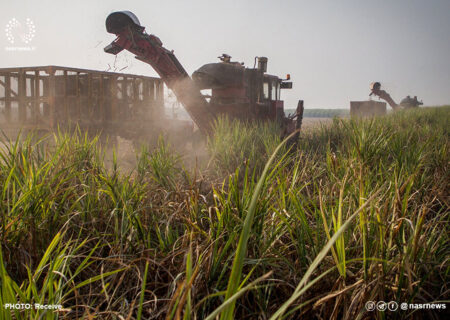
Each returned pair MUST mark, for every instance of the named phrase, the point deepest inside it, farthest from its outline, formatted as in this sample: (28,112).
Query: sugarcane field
(220,160)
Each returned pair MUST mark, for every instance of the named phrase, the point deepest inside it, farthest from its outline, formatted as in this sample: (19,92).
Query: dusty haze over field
(332,49)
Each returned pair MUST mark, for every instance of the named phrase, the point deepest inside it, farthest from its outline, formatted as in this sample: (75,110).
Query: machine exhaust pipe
(262,64)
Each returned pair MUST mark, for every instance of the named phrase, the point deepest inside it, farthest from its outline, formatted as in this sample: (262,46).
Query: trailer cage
(48,97)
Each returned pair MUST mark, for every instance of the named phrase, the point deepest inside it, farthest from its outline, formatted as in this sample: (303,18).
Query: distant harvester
(376,108)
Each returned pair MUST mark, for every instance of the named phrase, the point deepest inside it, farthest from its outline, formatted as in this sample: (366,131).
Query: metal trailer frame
(48,97)
(368,108)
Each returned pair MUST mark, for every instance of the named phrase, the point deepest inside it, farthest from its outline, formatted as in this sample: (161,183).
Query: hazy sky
(332,49)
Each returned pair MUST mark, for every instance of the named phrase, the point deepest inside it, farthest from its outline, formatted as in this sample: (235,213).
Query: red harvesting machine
(237,91)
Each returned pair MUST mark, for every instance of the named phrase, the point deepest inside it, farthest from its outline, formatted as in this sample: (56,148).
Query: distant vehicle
(408,102)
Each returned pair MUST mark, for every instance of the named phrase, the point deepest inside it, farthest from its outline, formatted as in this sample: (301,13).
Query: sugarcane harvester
(408,102)
(239,92)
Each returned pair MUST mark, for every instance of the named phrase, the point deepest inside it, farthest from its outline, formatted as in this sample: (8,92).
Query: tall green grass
(358,212)
(237,143)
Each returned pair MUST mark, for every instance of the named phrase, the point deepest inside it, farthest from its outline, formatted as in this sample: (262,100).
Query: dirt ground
(309,123)
(126,150)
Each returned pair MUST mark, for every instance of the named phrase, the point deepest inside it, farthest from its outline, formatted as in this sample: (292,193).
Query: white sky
(332,49)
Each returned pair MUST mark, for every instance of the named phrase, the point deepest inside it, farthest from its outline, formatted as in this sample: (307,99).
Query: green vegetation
(322,113)
(358,212)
